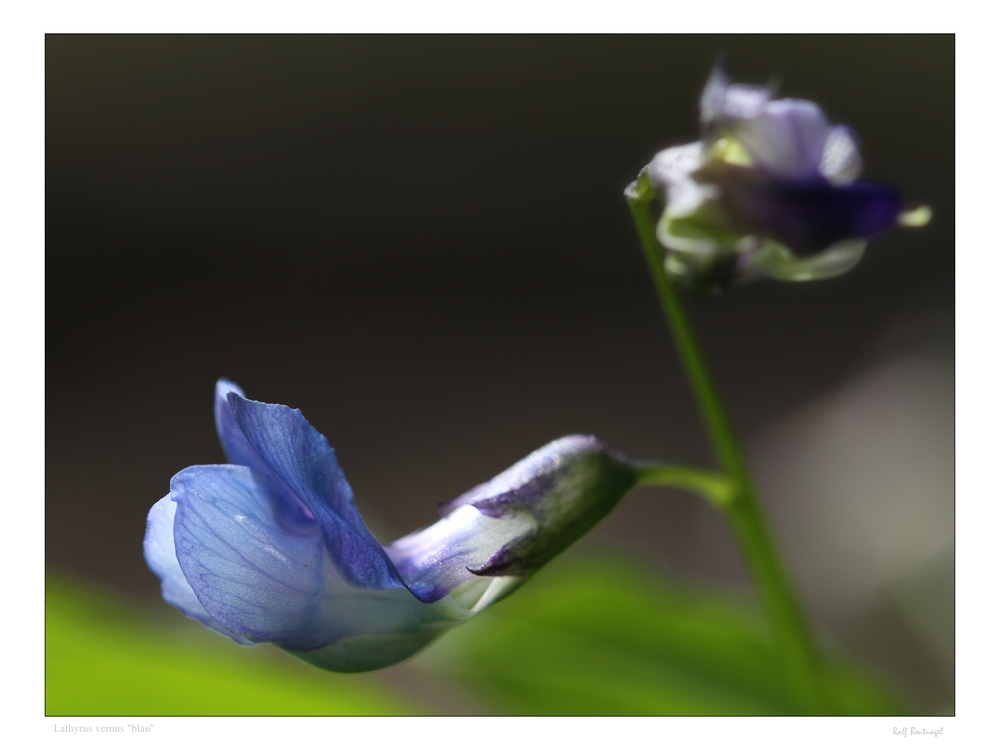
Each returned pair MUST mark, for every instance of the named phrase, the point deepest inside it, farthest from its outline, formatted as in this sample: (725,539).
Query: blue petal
(237,449)
(158,547)
(279,443)
(258,580)
(812,215)
(293,514)
(250,574)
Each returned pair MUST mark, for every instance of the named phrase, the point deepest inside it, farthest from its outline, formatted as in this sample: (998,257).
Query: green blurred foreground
(108,656)
(589,636)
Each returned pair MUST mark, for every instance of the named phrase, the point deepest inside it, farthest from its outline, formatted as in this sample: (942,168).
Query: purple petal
(786,138)
(528,483)
(286,449)
(812,215)
(161,556)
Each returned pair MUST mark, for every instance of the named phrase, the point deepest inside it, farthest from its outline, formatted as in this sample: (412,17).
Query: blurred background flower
(432,235)
(771,190)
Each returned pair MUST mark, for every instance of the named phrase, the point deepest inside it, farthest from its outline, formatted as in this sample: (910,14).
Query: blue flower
(771,189)
(271,548)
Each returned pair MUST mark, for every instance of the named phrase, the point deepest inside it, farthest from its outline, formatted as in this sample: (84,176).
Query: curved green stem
(710,484)
(742,507)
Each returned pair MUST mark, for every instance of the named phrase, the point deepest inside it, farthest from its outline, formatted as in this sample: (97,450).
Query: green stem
(710,484)
(742,507)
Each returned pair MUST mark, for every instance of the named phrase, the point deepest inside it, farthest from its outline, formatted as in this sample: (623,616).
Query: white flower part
(786,138)
(721,100)
(671,170)
(479,593)
(841,161)
(443,554)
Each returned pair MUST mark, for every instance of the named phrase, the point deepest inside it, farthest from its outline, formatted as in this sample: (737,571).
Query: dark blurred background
(421,242)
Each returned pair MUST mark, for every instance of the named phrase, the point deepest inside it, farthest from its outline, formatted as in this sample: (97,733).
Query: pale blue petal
(269,585)
(366,652)
(372,628)
(158,547)
(251,575)
(303,466)
(389,626)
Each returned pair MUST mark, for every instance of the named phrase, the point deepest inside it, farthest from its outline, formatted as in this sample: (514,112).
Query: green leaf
(605,636)
(108,656)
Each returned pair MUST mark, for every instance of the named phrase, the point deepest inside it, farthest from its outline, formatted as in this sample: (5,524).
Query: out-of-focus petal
(436,560)
(307,466)
(767,175)
(161,556)
(786,138)
(675,165)
(722,100)
(672,170)
(841,161)
(811,215)
(778,262)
